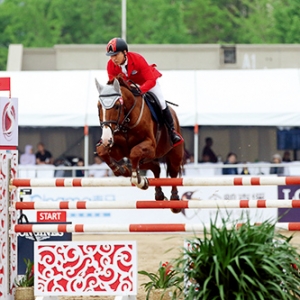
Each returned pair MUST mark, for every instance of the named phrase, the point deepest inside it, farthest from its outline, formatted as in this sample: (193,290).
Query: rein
(140,116)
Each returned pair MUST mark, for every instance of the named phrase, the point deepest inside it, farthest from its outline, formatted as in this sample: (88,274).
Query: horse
(132,140)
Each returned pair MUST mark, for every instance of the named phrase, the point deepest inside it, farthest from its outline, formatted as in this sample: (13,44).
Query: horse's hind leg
(174,193)
(174,168)
(159,194)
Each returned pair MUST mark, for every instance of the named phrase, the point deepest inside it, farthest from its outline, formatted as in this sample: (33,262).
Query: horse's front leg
(154,166)
(144,150)
(110,156)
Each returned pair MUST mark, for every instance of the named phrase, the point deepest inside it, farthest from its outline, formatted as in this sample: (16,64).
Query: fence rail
(189,170)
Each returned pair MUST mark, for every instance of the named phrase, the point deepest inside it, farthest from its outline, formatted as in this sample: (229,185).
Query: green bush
(240,262)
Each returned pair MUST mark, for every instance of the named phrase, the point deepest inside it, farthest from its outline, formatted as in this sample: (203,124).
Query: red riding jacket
(139,71)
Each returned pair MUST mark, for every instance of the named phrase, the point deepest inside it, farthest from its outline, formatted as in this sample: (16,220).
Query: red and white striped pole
(152,204)
(125,182)
(181,227)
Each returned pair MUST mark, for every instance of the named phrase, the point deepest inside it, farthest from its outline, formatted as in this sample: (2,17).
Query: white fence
(190,170)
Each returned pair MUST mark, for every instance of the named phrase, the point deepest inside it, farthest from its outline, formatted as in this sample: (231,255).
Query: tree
(286,21)
(255,22)
(85,22)
(208,22)
(44,23)
(156,22)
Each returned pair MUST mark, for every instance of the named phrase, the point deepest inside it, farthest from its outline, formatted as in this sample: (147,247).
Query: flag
(5,84)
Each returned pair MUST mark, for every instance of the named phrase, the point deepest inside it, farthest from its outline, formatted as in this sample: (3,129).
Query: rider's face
(118,59)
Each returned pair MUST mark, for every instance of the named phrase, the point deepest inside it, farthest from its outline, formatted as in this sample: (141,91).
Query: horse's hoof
(160,197)
(175,210)
(174,197)
(140,182)
(146,183)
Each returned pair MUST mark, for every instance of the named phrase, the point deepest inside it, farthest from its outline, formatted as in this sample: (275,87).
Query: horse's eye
(117,106)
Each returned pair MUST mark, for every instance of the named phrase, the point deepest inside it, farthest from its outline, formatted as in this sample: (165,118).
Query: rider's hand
(136,91)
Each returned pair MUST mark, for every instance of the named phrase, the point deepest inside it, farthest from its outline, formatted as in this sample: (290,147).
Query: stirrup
(180,141)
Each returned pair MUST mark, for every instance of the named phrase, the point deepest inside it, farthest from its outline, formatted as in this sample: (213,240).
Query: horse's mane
(121,81)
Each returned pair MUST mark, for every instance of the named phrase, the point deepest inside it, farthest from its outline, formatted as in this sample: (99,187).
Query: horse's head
(112,110)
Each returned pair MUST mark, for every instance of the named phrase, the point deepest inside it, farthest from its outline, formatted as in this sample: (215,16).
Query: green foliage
(255,22)
(44,23)
(156,22)
(3,57)
(164,278)
(286,21)
(209,22)
(28,279)
(251,262)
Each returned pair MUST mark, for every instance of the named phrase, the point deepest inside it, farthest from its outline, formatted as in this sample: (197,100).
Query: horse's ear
(98,86)
(117,86)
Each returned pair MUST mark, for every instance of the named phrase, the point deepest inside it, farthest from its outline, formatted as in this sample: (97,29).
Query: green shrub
(240,262)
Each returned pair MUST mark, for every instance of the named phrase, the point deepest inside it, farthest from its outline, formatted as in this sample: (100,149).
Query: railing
(259,168)
(190,170)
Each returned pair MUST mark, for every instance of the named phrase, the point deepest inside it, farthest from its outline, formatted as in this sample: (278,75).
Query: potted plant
(25,284)
(166,283)
(241,261)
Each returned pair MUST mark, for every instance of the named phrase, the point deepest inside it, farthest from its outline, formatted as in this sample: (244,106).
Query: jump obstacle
(118,228)
(125,182)
(14,183)
(9,205)
(153,204)
(143,204)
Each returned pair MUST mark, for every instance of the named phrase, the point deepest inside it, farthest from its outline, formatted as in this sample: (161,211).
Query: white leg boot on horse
(139,181)
(176,138)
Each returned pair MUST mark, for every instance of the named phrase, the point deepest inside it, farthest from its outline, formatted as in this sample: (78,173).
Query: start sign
(51,216)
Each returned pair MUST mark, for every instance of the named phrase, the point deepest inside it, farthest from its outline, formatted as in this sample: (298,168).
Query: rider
(134,67)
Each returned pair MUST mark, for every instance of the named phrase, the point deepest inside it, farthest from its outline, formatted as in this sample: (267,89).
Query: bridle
(123,125)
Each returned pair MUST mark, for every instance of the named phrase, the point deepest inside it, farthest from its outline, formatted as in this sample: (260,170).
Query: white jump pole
(153,204)
(134,228)
(186,181)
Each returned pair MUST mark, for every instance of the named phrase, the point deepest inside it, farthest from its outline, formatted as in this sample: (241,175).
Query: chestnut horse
(129,132)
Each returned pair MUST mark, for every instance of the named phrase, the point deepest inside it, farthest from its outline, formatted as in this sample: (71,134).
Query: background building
(251,143)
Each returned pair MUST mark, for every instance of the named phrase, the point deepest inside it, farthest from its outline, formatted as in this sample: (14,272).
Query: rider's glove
(136,91)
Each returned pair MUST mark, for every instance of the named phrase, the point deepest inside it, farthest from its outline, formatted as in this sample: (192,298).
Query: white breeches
(159,94)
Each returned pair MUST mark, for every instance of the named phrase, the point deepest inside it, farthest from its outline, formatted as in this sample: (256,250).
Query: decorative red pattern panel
(85,268)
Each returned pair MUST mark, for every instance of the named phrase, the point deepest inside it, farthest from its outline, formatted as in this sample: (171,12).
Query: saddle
(154,106)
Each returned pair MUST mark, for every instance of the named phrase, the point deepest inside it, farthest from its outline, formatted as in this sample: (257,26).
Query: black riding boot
(176,138)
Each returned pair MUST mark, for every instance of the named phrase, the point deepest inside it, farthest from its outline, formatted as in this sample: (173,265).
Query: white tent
(222,97)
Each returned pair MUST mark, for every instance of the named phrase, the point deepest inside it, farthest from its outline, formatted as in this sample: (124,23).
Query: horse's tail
(177,153)
(180,171)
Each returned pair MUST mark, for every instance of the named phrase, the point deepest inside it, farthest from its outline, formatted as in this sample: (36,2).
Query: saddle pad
(154,107)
